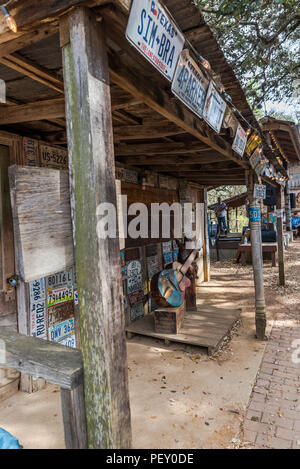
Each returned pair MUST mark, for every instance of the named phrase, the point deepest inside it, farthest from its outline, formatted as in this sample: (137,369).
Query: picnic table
(266,247)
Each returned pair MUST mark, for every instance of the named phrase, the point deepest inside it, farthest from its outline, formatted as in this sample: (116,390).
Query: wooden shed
(93,112)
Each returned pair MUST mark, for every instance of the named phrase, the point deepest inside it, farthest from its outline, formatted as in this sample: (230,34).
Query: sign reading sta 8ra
(151,30)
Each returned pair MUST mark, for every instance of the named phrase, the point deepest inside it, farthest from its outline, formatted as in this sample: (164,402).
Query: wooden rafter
(175,112)
(28,38)
(34,71)
(49,109)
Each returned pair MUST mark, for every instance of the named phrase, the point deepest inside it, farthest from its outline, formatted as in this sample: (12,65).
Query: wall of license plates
(52,300)
(52,307)
(140,263)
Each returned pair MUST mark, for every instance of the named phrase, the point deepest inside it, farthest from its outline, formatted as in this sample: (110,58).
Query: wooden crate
(169,320)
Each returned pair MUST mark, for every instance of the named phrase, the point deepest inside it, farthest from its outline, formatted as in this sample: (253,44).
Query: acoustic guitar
(168,287)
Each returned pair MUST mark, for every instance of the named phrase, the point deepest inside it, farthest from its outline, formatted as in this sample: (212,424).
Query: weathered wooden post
(257,259)
(92,181)
(288,209)
(280,241)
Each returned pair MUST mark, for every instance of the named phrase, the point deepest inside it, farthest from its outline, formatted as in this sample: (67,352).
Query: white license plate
(151,30)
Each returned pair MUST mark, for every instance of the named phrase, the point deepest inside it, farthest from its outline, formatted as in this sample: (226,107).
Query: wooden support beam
(159,148)
(34,71)
(92,181)
(172,159)
(138,132)
(28,38)
(257,259)
(157,99)
(49,109)
(126,117)
(118,103)
(280,239)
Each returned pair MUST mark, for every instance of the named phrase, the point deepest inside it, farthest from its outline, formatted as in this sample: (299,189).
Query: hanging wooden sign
(189,83)
(260,191)
(240,141)
(214,108)
(154,34)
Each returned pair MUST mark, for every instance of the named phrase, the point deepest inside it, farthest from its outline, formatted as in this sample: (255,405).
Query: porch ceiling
(152,129)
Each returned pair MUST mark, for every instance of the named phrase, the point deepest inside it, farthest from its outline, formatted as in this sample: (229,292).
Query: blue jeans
(222,224)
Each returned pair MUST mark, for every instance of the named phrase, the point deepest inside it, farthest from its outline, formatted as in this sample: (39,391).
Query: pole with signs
(280,241)
(257,260)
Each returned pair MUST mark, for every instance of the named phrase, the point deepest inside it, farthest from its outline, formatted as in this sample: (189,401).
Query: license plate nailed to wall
(61,331)
(189,84)
(151,30)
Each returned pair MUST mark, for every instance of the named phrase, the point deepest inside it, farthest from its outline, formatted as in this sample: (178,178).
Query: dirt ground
(180,397)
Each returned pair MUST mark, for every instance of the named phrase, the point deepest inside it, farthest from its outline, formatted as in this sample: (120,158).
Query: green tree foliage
(261,40)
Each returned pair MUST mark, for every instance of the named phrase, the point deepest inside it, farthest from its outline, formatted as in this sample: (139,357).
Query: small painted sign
(260,191)
(134,283)
(214,108)
(136,298)
(189,83)
(255,215)
(53,157)
(253,142)
(154,34)
(240,141)
(62,330)
(134,268)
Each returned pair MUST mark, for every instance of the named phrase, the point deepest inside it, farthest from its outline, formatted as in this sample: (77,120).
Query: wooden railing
(57,365)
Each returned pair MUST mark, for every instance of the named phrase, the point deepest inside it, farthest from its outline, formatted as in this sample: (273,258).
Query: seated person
(296,223)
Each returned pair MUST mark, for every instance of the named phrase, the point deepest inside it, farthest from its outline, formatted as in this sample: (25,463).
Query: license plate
(60,295)
(60,331)
(151,30)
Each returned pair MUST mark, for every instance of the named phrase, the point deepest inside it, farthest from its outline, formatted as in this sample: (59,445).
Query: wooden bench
(57,365)
(266,247)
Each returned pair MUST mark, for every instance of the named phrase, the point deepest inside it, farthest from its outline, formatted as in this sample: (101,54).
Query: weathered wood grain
(42,221)
(53,362)
(92,173)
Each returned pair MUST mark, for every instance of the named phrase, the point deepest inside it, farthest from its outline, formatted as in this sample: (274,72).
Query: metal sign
(154,34)
(240,141)
(253,142)
(38,314)
(53,157)
(255,216)
(214,108)
(260,192)
(62,331)
(189,84)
